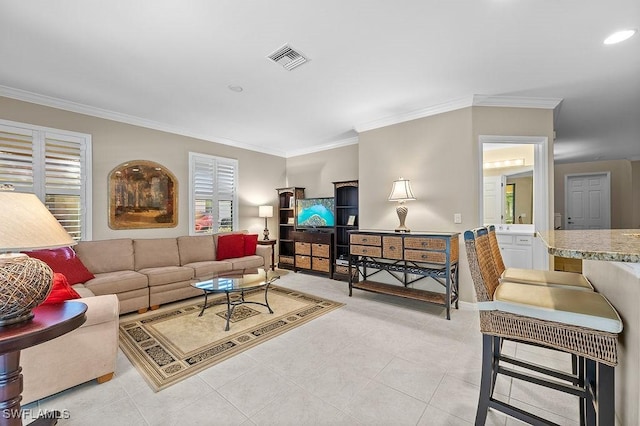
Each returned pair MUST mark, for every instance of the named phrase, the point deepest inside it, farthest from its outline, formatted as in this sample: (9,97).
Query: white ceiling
(168,64)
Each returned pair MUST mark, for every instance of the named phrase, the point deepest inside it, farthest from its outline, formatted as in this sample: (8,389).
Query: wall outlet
(457,218)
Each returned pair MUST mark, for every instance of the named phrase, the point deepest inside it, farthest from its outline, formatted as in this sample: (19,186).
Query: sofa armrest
(101,309)
(265,252)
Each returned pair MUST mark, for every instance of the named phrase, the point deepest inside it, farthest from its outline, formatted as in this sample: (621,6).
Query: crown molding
(515,102)
(48,101)
(318,148)
(474,100)
(413,115)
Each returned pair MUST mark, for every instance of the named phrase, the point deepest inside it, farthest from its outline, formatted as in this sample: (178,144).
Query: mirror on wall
(507,183)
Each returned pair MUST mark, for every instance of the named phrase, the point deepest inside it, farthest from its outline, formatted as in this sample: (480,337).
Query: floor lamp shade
(25,224)
(401,192)
(266,212)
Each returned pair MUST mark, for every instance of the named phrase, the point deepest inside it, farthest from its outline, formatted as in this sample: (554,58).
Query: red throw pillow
(64,261)
(61,290)
(250,243)
(230,246)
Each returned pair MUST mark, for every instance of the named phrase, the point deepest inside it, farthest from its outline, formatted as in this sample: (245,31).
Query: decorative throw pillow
(230,246)
(250,243)
(61,290)
(64,261)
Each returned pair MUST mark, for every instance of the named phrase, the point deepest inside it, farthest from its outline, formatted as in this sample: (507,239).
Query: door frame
(607,176)
(542,192)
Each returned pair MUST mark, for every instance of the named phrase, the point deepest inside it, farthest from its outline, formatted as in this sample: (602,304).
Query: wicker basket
(321,250)
(303,248)
(303,262)
(320,264)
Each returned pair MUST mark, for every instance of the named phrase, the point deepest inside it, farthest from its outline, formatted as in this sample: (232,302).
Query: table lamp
(25,224)
(401,192)
(266,212)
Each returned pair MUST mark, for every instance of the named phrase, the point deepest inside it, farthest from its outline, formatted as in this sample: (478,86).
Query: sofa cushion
(250,244)
(209,268)
(230,246)
(196,248)
(64,260)
(106,255)
(117,282)
(82,290)
(246,262)
(155,252)
(61,290)
(167,274)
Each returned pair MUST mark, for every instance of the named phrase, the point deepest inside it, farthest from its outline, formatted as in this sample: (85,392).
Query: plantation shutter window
(213,193)
(52,164)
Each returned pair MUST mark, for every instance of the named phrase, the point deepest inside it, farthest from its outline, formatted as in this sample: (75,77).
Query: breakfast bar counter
(617,245)
(611,261)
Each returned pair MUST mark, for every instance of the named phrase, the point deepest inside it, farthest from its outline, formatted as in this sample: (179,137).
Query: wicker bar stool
(534,276)
(581,323)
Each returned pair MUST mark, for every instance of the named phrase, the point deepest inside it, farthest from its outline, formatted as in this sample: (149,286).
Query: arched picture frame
(142,194)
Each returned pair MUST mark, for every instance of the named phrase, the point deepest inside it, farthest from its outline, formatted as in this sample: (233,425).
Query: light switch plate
(457,218)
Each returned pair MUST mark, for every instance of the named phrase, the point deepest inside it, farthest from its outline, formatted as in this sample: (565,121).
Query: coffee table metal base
(231,304)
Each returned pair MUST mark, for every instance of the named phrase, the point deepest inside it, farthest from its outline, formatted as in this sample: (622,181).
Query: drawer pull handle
(424,256)
(392,247)
(364,240)
(424,244)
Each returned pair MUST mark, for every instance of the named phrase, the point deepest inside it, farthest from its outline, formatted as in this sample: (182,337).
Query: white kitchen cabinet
(516,249)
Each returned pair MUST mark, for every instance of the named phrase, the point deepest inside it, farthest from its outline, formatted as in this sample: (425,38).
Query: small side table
(49,322)
(271,243)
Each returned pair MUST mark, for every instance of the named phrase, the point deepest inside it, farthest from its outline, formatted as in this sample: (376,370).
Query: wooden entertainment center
(325,250)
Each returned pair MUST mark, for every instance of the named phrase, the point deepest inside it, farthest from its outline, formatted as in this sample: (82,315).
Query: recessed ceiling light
(235,88)
(619,36)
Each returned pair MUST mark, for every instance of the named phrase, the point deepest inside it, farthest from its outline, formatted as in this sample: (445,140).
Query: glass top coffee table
(236,285)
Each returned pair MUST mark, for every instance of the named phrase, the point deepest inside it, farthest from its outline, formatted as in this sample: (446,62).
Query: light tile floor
(379,360)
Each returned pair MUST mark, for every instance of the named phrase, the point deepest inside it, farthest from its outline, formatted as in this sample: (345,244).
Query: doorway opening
(540,196)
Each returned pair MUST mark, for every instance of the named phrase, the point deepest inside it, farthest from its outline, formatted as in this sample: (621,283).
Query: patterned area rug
(173,343)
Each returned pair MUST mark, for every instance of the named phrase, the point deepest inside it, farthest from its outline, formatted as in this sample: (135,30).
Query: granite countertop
(618,245)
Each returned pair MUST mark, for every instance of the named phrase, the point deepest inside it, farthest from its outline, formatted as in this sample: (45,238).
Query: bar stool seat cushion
(579,308)
(548,278)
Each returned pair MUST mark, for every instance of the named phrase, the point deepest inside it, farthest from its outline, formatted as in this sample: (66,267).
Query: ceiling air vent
(287,57)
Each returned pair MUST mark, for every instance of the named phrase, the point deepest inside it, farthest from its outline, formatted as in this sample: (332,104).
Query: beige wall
(115,143)
(316,172)
(439,155)
(621,188)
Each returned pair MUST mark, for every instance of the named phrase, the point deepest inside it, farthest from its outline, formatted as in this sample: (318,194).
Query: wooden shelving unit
(287,225)
(346,203)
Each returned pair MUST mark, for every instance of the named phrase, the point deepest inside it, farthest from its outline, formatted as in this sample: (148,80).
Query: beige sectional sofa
(130,275)
(146,273)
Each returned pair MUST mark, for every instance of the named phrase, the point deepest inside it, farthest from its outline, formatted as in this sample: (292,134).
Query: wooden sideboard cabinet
(407,259)
(313,252)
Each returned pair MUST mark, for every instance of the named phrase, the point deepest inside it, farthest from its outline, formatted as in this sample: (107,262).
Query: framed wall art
(142,194)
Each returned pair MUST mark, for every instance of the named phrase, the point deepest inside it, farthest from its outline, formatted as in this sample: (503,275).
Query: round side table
(49,322)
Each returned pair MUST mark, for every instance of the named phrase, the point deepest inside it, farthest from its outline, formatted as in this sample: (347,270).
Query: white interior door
(493,199)
(588,201)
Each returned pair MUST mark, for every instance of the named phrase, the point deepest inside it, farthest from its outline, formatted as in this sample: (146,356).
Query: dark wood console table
(49,322)
(407,258)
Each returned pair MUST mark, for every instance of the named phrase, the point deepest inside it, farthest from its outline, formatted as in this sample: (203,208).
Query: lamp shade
(265,211)
(401,191)
(26,224)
